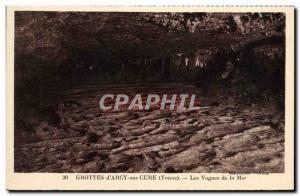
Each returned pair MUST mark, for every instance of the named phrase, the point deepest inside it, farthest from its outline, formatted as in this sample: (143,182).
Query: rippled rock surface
(229,136)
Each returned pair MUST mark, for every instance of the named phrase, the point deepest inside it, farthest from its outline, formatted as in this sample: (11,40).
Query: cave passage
(232,62)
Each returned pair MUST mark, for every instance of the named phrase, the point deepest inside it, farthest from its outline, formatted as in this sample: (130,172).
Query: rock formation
(65,61)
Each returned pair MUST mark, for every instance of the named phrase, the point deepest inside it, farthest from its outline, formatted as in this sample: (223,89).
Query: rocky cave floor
(226,137)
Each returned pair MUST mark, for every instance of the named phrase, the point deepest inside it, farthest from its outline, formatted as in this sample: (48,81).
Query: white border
(263,183)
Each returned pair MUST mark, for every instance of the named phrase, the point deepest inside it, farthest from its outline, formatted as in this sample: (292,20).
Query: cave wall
(61,49)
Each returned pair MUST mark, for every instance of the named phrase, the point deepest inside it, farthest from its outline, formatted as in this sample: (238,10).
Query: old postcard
(150,98)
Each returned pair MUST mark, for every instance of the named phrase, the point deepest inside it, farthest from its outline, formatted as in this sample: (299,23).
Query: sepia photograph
(156,92)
